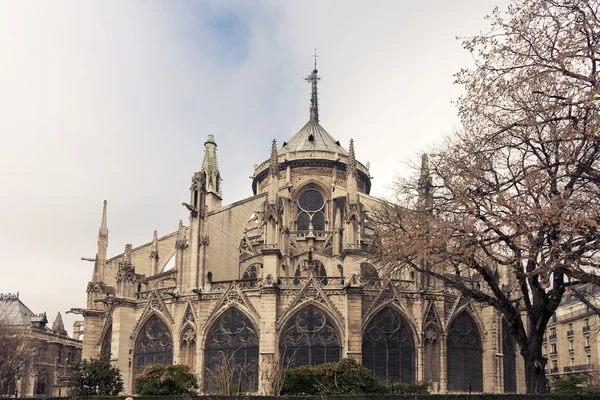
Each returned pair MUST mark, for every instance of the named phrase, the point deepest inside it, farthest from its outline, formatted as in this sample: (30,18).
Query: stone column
(353,345)
(443,366)
(268,338)
(121,344)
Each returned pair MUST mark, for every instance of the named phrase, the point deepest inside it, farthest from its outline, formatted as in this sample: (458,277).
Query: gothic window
(310,338)
(509,362)
(106,343)
(232,349)
(369,275)
(388,347)
(311,211)
(42,384)
(154,344)
(250,274)
(187,347)
(464,355)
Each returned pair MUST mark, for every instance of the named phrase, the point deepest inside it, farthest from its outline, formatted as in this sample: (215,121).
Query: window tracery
(388,347)
(369,274)
(310,338)
(311,211)
(232,348)
(464,355)
(154,344)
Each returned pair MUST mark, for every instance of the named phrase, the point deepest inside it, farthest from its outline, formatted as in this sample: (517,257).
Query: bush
(165,380)
(94,377)
(342,378)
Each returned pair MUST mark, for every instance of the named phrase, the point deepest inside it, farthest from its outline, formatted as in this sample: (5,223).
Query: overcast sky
(114,99)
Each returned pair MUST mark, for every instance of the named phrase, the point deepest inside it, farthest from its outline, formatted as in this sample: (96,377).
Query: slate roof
(312,137)
(14,311)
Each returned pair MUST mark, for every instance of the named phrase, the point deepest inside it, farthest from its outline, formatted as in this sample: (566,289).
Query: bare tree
(16,354)
(275,372)
(507,211)
(227,376)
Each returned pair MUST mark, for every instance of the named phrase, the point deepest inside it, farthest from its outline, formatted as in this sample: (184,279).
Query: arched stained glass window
(311,207)
(464,355)
(231,348)
(154,344)
(309,338)
(509,362)
(106,343)
(388,347)
(369,275)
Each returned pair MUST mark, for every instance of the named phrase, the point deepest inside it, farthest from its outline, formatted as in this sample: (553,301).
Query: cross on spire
(313,78)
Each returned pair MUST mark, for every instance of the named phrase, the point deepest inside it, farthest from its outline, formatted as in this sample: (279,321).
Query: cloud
(114,100)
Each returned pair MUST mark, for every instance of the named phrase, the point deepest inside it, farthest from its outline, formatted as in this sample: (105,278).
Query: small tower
(210,168)
(100,265)
(424,185)
(58,326)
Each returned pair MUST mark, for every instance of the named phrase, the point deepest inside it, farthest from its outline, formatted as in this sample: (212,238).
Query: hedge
(351,397)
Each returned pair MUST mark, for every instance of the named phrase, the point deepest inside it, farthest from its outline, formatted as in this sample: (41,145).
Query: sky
(113,100)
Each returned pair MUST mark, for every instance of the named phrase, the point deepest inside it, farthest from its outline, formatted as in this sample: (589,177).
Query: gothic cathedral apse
(283,275)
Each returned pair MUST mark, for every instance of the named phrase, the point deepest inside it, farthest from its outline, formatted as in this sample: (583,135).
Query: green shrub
(94,377)
(165,380)
(342,378)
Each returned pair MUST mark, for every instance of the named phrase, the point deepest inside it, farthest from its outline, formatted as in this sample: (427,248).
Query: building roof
(312,137)
(14,311)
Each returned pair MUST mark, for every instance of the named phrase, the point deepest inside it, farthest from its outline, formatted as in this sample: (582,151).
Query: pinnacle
(103,229)
(58,325)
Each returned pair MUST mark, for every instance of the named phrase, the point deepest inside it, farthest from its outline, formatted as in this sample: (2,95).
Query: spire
(100,262)
(58,326)
(181,242)
(210,166)
(424,184)
(313,78)
(154,251)
(351,168)
(273,164)
(103,231)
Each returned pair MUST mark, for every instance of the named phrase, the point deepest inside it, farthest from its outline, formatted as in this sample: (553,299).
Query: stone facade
(281,278)
(571,340)
(53,350)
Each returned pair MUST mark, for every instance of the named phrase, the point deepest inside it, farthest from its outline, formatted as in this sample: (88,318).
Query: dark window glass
(309,338)
(369,275)
(231,348)
(311,200)
(303,221)
(509,361)
(464,355)
(388,347)
(154,344)
(318,221)
(106,343)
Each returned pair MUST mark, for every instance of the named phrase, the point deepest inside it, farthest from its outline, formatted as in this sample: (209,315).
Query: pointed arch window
(388,347)
(464,355)
(154,344)
(369,275)
(509,361)
(231,349)
(105,349)
(310,338)
(311,210)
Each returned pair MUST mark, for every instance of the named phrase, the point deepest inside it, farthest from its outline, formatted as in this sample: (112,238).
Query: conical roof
(312,137)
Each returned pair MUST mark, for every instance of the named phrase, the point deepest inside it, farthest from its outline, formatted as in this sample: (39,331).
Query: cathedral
(283,279)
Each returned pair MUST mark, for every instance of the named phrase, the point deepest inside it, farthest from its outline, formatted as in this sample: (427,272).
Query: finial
(154,251)
(351,168)
(103,229)
(273,164)
(313,78)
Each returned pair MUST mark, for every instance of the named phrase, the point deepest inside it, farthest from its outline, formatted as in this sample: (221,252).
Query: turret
(210,168)
(58,325)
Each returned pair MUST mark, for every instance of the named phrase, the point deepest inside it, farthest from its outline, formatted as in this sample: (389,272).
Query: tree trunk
(535,373)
